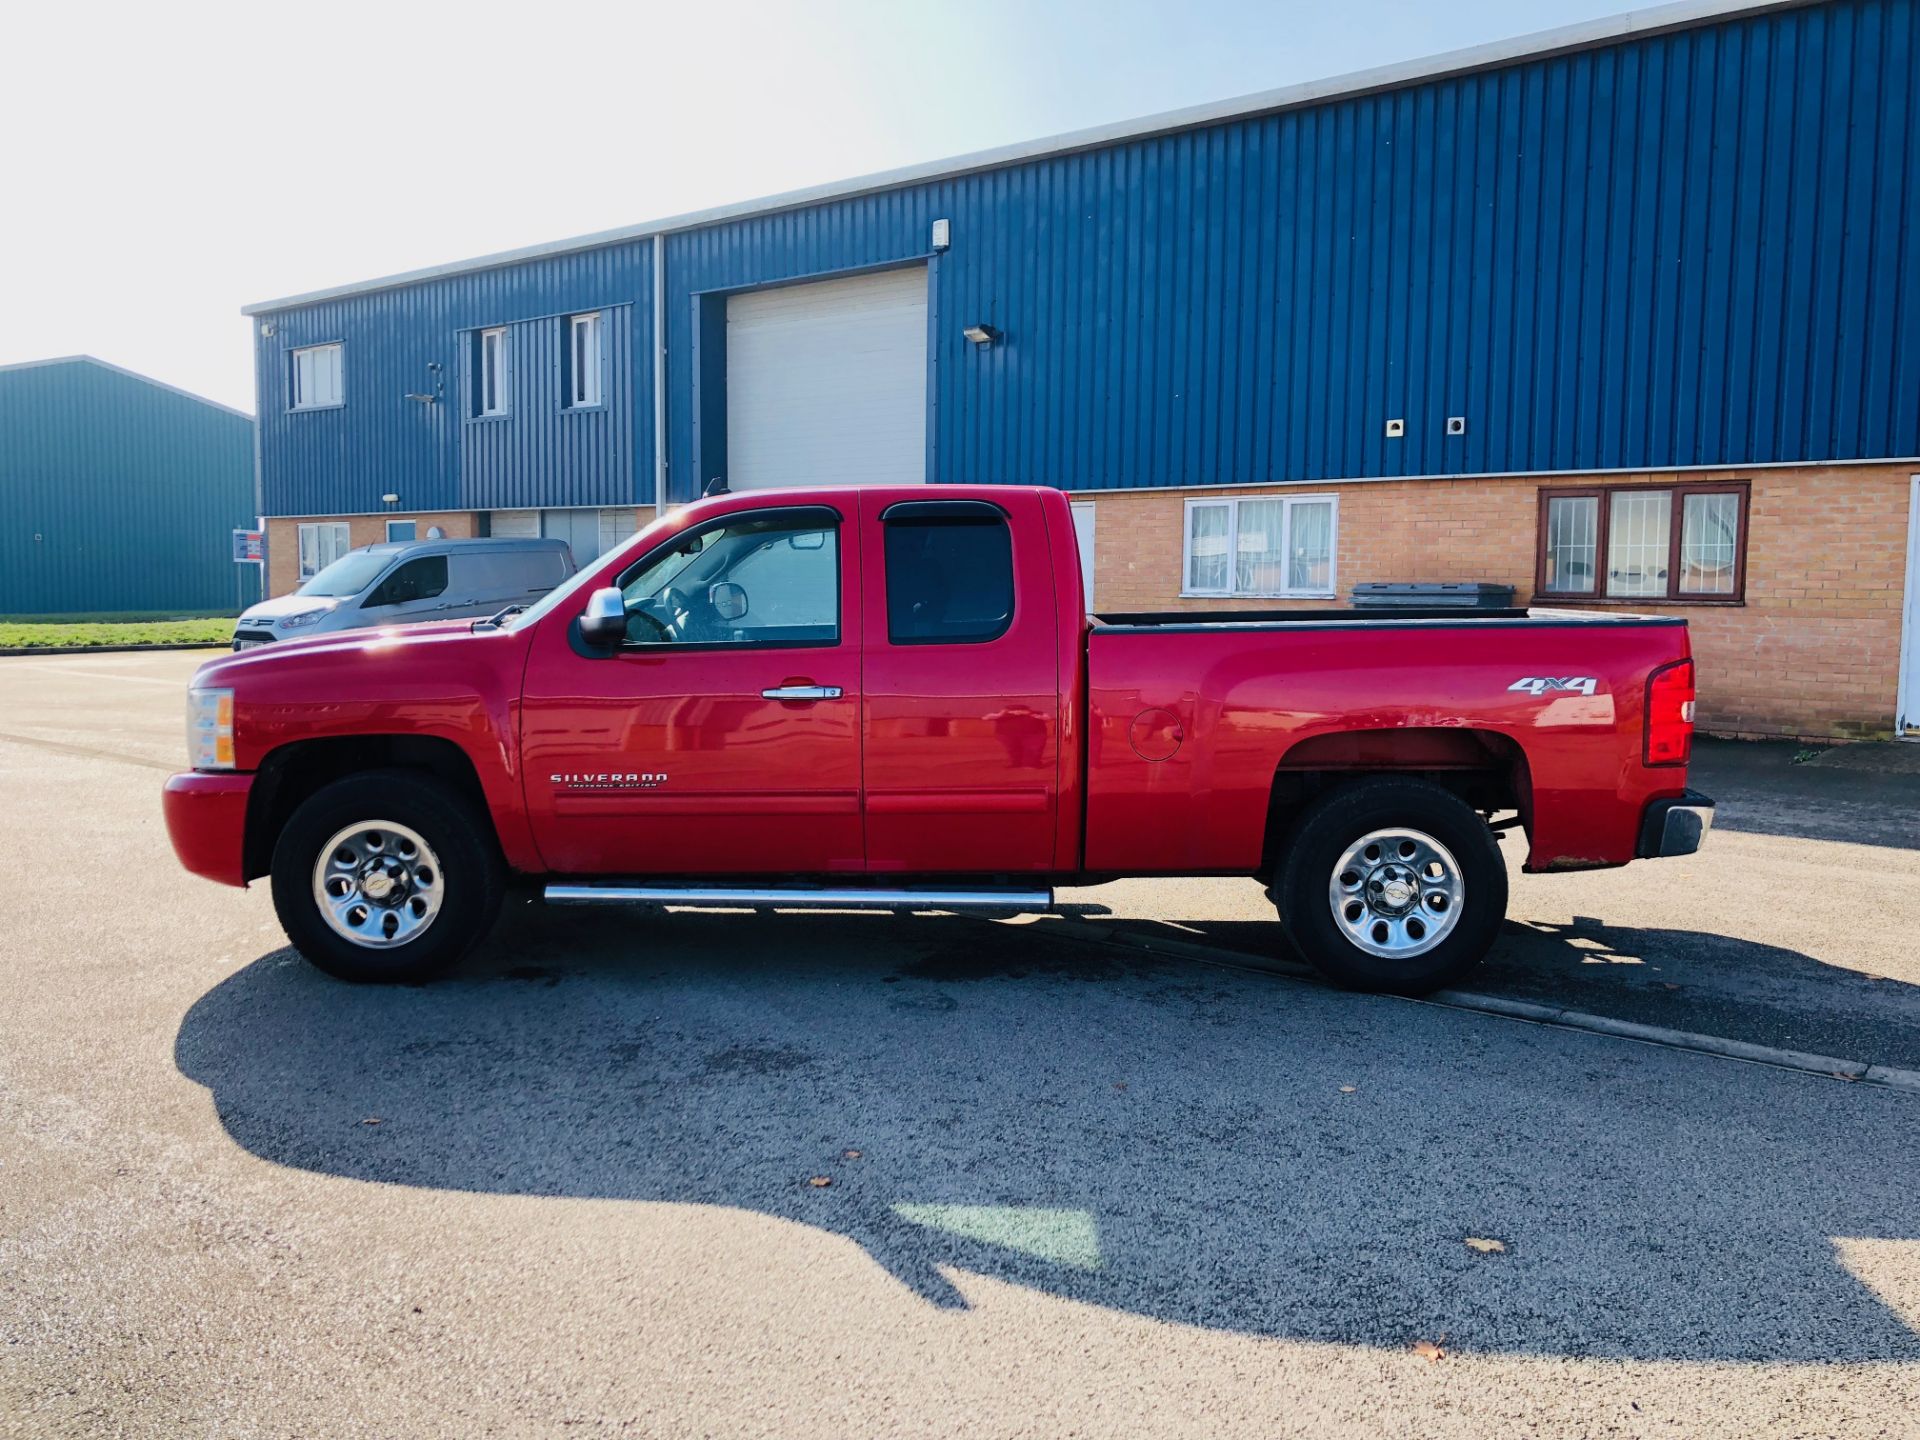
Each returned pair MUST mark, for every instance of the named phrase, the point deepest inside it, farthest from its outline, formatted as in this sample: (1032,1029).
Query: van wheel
(1392,885)
(387,876)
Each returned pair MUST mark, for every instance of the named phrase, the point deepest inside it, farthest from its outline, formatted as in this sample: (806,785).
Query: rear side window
(508,574)
(949,576)
(420,579)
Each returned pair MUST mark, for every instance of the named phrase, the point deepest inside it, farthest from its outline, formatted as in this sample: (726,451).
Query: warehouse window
(490,372)
(320,545)
(1273,546)
(1639,542)
(317,377)
(583,361)
(403,529)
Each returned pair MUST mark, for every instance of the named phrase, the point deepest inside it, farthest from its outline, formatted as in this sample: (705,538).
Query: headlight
(305,617)
(210,729)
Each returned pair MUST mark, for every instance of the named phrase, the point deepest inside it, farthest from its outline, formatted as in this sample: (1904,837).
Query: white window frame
(307,395)
(491,358)
(1231,504)
(322,531)
(392,537)
(584,374)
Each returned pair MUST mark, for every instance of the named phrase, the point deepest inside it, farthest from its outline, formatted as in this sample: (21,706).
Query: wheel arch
(1485,768)
(289,774)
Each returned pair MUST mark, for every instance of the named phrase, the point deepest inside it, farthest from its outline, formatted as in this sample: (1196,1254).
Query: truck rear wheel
(387,876)
(1392,884)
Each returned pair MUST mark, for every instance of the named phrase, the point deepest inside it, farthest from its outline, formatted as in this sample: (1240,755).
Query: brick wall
(283,539)
(1813,653)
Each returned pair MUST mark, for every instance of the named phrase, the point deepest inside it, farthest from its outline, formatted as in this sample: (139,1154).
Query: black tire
(1342,817)
(470,870)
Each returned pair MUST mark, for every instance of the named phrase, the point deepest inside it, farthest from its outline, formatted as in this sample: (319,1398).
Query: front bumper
(207,822)
(1675,826)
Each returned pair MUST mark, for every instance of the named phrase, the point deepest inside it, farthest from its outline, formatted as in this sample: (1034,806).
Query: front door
(723,737)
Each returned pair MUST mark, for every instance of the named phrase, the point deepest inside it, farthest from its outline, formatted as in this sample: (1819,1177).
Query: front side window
(490,372)
(949,575)
(322,544)
(749,580)
(420,579)
(318,375)
(1666,543)
(583,360)
(1271,546)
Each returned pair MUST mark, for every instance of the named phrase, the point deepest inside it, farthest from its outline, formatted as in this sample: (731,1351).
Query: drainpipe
(659,326)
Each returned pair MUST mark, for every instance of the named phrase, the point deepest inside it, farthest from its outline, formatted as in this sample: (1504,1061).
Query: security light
(981,335)
(389,499)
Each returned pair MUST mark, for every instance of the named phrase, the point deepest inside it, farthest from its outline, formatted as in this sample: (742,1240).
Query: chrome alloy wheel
(378,884)
(1396,893)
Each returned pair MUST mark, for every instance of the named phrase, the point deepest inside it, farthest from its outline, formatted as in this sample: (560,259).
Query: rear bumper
(1675,826)
(207,822)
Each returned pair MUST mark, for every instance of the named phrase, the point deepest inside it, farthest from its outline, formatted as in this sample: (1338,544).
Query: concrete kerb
(108,649)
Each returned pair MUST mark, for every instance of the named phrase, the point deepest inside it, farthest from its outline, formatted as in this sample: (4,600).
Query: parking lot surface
(1072,1187)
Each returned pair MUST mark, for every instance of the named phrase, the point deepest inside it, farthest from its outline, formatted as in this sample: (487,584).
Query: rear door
(962,707)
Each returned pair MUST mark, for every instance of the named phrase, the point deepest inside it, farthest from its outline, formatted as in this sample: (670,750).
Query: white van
(407,581)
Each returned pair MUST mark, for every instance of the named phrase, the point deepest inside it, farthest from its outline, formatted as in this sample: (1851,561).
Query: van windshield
(348,575)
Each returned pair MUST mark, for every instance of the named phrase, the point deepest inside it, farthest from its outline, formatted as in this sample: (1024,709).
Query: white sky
(162,165)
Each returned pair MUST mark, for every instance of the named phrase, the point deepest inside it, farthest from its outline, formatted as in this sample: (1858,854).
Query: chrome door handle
(801,692)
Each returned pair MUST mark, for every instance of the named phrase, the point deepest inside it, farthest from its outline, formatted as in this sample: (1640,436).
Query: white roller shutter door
(515,524)
(827,382)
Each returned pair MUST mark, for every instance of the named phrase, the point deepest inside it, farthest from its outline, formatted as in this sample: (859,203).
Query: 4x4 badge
(1543,684)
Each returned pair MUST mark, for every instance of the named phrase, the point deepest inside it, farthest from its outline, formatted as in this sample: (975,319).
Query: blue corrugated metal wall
(437,457)
(1698,248)
(590,451)
(117,494)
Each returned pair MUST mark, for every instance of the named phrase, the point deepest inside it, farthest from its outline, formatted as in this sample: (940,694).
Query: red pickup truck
(895,698)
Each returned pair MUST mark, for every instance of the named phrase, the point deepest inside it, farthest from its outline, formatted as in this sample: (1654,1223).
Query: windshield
(348,575)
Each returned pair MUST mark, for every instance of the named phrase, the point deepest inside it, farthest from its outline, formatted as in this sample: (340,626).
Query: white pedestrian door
(827,382)
(1908,701)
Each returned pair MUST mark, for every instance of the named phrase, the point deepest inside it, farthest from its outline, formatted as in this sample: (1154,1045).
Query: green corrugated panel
(118,493)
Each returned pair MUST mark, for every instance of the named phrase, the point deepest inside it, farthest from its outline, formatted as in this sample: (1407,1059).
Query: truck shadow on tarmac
(1192,1144)
(1682,980)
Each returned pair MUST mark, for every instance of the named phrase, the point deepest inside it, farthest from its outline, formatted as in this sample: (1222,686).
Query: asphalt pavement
(1070,1187)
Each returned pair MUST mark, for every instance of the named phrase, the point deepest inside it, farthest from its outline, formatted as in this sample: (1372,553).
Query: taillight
(1670,714)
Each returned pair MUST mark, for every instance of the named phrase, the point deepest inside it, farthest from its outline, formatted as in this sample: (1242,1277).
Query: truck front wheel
(386,876)
(1391,884)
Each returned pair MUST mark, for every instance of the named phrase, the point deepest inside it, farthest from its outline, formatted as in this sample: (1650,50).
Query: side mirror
(604,621)
(728,599)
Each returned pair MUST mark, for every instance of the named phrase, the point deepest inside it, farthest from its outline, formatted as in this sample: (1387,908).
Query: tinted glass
(948,583)
(506,574)
(420,579)
(748,582)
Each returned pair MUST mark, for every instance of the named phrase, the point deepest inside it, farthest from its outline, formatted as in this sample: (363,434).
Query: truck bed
(1349,616)
(1196,721)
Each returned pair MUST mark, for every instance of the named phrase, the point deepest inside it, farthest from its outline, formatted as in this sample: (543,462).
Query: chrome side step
(744,897)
